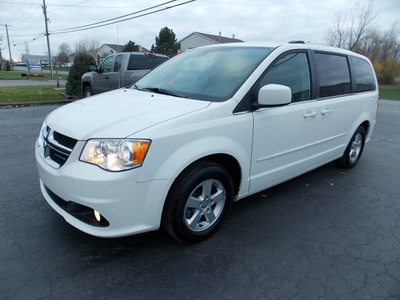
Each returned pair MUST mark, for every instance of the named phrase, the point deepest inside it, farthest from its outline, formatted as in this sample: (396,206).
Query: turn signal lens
(139,150)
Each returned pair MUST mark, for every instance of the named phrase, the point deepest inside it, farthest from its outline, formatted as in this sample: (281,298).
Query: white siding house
(198,39)
(107,49)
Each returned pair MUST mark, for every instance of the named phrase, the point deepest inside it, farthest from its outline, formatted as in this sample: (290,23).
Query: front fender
(168,157)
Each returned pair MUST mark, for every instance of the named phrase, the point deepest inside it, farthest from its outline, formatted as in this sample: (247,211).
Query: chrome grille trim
(55,151)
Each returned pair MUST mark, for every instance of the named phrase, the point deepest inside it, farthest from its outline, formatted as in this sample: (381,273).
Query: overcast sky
(248,20)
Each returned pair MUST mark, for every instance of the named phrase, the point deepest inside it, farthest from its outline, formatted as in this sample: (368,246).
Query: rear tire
(197,202)
(354,149)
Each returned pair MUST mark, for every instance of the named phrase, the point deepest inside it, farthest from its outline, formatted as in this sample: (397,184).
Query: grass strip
(23,94)
(389,92)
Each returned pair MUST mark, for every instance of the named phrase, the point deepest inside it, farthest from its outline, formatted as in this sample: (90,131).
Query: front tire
(87,92)
(197,202)
(354,149)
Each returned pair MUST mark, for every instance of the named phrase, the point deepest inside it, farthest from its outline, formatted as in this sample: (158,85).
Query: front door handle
(310,114)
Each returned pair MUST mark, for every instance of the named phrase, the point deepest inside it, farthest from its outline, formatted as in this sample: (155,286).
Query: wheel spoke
(210,216)
(218,197)
(193,202)
(195,220)
(207,188)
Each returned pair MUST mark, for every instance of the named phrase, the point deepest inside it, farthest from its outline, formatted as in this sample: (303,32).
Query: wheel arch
(366,126)
(228,162)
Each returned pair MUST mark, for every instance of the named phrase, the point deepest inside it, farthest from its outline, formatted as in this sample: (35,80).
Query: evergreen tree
(81,65)
(166,43)
(130,47)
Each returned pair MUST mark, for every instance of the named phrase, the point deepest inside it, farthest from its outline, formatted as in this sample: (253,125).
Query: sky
(248,20)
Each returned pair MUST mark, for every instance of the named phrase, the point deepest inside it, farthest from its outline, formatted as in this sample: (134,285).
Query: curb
(25,104)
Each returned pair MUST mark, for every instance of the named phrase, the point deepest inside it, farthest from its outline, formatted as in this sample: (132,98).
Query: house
(198,39)
(107,49)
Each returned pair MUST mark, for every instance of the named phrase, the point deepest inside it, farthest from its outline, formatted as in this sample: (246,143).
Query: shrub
(387,70)
(81,65)
(7,66)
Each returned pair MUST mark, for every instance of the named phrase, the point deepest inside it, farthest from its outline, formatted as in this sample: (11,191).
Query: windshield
(209,73)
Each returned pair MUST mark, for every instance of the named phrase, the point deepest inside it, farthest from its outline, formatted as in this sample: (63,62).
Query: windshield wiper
(161,91)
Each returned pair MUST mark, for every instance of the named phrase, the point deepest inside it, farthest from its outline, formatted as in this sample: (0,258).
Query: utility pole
(47,36)
(8,41)
(1,58)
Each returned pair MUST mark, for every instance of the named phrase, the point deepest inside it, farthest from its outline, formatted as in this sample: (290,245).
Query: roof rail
(296,42)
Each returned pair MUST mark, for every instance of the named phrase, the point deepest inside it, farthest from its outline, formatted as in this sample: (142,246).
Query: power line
(109,20)
(118,19)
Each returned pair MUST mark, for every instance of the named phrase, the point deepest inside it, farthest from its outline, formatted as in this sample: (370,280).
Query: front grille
(64,140)
(55,148)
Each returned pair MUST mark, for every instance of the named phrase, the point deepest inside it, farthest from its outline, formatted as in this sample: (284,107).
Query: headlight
(115,155)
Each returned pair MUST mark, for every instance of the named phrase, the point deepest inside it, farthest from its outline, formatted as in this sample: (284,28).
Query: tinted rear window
(145,62)
(333,73)
(364,75)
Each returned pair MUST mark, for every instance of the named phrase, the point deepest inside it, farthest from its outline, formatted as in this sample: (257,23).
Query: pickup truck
(119,70)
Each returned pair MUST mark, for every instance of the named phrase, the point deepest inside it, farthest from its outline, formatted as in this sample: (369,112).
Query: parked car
(20,64)
(211,126)
(119,70)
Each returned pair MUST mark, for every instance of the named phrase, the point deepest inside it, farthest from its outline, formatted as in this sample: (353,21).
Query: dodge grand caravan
(208,127)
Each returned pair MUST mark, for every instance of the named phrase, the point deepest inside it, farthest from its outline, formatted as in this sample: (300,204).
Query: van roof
(290,45)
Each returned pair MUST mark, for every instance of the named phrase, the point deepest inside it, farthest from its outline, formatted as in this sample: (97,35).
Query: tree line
(357,31)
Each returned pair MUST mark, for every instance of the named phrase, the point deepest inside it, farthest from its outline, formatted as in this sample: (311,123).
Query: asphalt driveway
(329,234)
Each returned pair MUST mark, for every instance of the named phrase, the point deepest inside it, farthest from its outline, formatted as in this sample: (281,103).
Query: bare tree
(349,28)
(64,54)
(86,45)
(356,31)
(380,46)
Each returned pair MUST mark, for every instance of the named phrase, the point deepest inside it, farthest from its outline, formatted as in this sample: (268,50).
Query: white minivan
(208,127)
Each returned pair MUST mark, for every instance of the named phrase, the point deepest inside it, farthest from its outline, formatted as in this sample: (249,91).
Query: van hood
(118,114)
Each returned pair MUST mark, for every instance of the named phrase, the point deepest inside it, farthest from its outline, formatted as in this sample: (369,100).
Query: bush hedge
(81,65)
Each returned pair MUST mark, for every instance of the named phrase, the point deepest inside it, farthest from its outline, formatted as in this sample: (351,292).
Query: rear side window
(145,62)
(363,73)
(333,74)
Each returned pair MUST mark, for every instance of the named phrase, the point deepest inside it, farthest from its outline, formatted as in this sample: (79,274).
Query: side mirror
(274,95)
(93,68)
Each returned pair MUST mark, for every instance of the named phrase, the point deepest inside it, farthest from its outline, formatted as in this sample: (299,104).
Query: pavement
(28,82)
(328,234)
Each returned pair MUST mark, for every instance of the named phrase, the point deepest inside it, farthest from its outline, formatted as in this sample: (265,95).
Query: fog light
(97,215)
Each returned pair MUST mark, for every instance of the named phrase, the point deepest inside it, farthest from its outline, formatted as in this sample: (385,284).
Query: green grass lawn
(389,92)
(22,94)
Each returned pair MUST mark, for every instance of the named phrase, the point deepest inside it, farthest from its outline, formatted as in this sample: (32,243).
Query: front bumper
(128,206)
